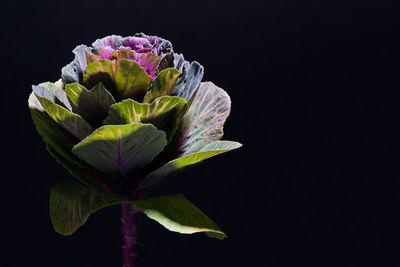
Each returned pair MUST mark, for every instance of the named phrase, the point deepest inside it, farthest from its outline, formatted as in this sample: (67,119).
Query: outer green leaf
(85,173)
(120,149)
(166,83)
(92,105)
(124,78)
(59,142)
(162,113)
(203,123)
(71,204)
(74,123)
(208,151)
(177,214)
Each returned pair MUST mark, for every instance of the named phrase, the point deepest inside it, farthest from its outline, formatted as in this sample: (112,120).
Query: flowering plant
(126,114)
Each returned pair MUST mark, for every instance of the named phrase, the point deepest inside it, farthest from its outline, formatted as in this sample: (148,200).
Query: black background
(314,91)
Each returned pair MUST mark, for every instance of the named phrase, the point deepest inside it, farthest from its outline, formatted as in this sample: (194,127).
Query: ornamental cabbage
(127,113)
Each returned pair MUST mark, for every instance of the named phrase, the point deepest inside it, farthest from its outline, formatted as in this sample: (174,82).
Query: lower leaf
(178,214)
(71,204)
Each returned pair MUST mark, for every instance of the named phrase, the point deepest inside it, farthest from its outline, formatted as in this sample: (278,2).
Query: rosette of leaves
(126,114)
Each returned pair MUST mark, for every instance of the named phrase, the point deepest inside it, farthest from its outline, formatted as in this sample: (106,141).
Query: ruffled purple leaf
(112,41)
(148,61)
(160,46)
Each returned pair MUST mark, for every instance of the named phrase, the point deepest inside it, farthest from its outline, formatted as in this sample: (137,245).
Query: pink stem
(129,235)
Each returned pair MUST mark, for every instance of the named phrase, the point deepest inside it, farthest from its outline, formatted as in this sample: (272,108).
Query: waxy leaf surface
(162,113)
(168,82)
(119,149)
(203,123)
(177,214)
(147,61)
(72,122)
(123,78)
(176,165)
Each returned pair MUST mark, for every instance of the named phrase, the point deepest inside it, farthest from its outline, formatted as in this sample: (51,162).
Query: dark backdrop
(314,91)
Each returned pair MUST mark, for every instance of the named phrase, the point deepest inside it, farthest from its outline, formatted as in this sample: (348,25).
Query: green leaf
(162,113)
(124,78)
(92,105)
(165,84)
(72,122)
(177,214)
(203,123)
(84,174)
(59,142)
(71,204)
(147,61)
(118,150)
(176,165)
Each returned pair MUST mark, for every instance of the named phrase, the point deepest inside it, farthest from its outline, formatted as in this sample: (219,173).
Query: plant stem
(129,235)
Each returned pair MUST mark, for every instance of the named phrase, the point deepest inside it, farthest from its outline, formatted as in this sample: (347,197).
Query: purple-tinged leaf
(203,123)
(162,113)
(112,41)
(59,143)
(92,105)
(159,46)
(138,44)
(72,122)
(123,78)
(71,204)
(177,214)
(168,82)
(91,57)
(177,165)
(119,150)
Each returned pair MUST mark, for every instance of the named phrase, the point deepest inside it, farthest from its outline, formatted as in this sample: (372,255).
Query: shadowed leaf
(166,83)
(92,105)
(162,113)
(71,204)
(72,122)
(59,143)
